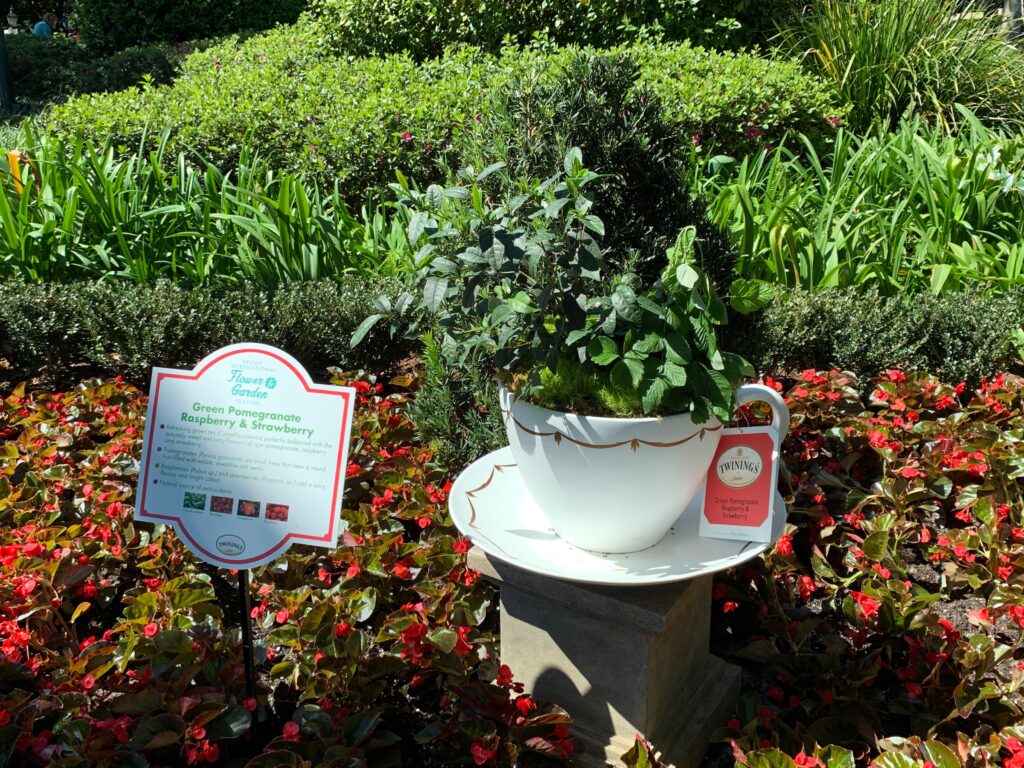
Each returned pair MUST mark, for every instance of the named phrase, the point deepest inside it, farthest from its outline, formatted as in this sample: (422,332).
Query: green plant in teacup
(522,286)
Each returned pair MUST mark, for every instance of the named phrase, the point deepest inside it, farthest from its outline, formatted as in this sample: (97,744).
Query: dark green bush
(964,336)
(119,328)
(111,25)
(590,101)
(358,122)
(456,410)
(425,27)
(49,69)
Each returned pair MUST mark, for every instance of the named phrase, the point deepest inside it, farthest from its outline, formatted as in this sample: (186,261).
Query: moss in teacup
(574,389)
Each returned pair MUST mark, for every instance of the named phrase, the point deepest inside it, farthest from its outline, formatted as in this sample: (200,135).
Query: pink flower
(525,705)
(407,137)
(150,629)
(784,546)
(868,605)
(291,731)
(482,753)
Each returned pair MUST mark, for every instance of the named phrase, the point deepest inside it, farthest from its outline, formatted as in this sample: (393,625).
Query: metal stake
(247,655)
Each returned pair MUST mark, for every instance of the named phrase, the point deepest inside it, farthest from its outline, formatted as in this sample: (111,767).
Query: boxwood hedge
(60,330)
(359,121)
(962,336)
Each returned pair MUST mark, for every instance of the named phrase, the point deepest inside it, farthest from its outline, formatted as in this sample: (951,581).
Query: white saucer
(491,507)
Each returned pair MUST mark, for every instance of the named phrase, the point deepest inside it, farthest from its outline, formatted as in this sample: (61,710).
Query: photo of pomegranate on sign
(244,455)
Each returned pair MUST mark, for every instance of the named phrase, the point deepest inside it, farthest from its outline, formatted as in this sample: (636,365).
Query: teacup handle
(751,393)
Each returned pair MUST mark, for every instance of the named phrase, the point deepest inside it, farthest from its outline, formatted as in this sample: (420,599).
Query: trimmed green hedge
(963,336)
(125,329)
(357,122)
(425,27)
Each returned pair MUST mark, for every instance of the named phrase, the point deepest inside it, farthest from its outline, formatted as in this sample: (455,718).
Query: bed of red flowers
(884,628)
(887,622)
(119,648)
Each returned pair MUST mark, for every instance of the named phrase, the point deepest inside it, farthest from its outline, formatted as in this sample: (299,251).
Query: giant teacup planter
(616,485)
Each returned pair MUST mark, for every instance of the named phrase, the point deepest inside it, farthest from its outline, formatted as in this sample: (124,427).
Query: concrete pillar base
(620,660)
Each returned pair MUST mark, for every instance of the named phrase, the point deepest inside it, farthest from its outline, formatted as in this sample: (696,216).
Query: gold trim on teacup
(633,443)
(471,494)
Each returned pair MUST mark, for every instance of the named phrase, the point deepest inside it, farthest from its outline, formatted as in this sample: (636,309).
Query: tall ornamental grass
(85,212)
(910,211)
(888,58)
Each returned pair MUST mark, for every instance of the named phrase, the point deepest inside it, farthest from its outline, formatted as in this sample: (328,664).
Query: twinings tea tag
(739,492)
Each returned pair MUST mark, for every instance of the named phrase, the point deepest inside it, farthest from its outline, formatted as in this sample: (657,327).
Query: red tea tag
(739,492)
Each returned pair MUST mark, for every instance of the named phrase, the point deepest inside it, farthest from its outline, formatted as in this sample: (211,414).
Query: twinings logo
(739,467)
(229,544)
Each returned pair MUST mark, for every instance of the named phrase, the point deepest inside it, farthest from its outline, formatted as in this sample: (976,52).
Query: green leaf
(941,755)
(603,351)
(362,604)
(652,394)
(146,700)
(182,598)
(894,760)
(158,729)
(231,723)
(674,374)
(649,344)
(434,291)
(875,545)
(687,276)
(837,757)
(769,758)
(626,374)
(573,160)
(362,329)
(314,619)
(638,756)
(577,335)
(521,304)
(443,638)
(746,296)
(677,349)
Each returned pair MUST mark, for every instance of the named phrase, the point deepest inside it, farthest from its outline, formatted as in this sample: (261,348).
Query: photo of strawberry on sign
(244,455)
(739,492)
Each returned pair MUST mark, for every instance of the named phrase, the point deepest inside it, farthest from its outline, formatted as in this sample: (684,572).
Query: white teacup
(616,484)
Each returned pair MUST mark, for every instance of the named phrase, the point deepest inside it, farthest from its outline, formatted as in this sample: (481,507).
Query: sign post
(242,456)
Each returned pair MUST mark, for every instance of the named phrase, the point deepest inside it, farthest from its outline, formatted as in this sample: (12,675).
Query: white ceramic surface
(490,506)
(616,485)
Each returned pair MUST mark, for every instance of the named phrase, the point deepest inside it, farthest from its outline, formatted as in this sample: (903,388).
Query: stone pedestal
(620,660)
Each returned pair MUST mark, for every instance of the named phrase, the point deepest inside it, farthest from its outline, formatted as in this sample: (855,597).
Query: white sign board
(244,455)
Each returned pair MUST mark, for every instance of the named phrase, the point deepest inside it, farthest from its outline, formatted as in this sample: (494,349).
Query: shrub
(911,211)
(50,69)
(358,122)
(119,329)
(590,101)
(111,25)
(455,410)
(732,103)
(425,27)
(925,56)
(960,336)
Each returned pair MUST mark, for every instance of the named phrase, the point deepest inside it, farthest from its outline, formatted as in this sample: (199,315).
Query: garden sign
(244,455)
